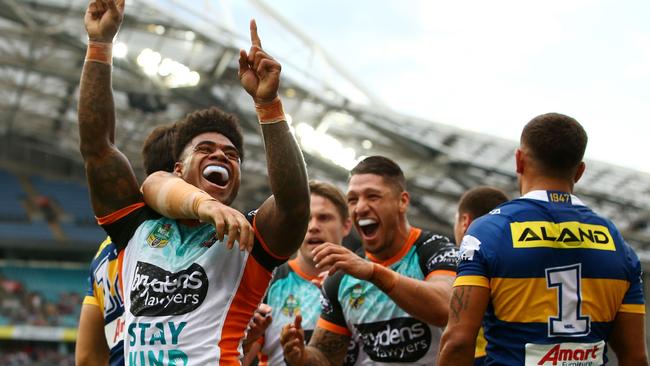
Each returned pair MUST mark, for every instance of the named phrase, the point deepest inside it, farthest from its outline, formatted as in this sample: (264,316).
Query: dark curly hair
(211,119)
(157,151)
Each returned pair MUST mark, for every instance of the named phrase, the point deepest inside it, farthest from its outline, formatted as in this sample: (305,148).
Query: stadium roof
(175,59)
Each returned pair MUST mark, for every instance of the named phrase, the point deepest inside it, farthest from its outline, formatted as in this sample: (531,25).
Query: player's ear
(465,221)
(347,226)
(178,169)
(579,172)
(519,161)
(404,199)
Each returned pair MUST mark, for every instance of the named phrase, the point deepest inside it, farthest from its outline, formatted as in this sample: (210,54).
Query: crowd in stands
(14,353)
(20,306)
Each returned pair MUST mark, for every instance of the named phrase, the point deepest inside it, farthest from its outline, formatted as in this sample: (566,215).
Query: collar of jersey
(293,264)
(414,234)
(541,195)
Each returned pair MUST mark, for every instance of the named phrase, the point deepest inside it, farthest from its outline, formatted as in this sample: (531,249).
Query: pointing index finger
(255,39)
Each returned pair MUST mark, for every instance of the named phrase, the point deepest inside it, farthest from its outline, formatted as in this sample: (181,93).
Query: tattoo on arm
(331,348)
(288,209)
(110,177)
(459,300)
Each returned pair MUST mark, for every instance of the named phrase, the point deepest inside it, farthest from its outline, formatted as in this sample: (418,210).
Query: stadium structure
(172,57)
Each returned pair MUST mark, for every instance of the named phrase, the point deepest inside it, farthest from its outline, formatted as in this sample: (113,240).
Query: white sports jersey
(188,299)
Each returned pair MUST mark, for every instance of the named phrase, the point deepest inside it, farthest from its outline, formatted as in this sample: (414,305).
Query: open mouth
(315,241)
(216,174)
(368,226)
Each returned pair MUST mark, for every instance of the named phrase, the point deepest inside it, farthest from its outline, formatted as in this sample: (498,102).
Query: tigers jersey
(105,291)
(558,274)
(386,333)
(290,293)
(188,298)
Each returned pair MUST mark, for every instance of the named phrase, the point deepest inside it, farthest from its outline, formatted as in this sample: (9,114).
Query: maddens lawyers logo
(157,292)
(395,340)
(565,354)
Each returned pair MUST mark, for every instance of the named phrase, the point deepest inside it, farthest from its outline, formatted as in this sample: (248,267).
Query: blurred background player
(209,291)
(100,340)
(400,286)
(473,204)
(557,280)
(292,291)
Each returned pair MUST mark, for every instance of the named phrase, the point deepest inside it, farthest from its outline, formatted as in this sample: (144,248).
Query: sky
(491,66)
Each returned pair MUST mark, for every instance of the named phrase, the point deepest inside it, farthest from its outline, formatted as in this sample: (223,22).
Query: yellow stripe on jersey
(472,281)
(632,308)
(481,344)
(90,300)
(561,235)
(601,299)
(103,245)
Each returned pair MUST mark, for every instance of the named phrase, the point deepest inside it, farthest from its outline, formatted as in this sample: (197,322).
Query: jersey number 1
(568,322)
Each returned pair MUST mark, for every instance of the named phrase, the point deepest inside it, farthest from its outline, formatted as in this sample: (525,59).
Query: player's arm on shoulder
(91,348)
(628,339)
(466,309)
(174,198)
(110,178)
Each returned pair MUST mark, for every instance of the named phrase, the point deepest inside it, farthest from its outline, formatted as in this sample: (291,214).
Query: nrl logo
(357,297)
(291,306)
(159,236)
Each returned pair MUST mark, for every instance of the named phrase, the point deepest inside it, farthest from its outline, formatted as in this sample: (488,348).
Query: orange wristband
(384,278)
(100,52)
(270,112)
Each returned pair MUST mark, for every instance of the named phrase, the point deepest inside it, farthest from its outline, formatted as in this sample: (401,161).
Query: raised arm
(110,178)
(282,219)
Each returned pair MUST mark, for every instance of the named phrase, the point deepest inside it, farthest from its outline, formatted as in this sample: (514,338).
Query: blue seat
(37,230)
(11,195)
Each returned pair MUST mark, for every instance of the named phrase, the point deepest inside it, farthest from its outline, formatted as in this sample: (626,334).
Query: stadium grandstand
(170,59)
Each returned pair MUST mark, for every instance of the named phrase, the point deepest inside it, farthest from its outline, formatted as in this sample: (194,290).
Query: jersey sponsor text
(561,235)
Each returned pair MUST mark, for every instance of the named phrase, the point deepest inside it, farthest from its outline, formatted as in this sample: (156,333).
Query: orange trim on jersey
(334,328)
(120,260)
(441,272)
(472,281)
(111,218)
(632,308)
(263,359)
(413,236)
(294,265)
(250,292)
(261,240)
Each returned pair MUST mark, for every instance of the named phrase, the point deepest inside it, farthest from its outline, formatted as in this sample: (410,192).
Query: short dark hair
(555,141)
(384,167)
(480,200)
(157,151)
(211,119)
(332,193)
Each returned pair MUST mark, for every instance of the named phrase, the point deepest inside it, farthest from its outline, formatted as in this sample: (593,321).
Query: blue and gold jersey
(558,274)
(105,291)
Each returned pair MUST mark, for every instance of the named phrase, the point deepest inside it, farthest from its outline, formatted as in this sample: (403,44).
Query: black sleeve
(331,309)
(122,230)
(261,255)
(436,252)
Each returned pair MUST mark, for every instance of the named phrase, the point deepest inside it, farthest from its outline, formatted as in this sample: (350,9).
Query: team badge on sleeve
(468,247)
